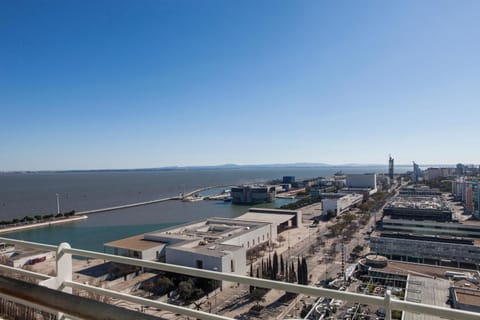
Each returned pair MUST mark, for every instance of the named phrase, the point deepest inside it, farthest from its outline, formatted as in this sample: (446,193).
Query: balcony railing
(54,292)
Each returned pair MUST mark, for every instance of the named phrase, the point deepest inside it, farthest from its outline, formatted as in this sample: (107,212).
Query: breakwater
(144,203)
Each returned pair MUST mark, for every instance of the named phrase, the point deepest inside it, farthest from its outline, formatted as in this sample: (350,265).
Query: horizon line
(229,166)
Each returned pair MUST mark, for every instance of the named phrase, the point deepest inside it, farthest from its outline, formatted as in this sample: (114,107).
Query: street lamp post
(58,203)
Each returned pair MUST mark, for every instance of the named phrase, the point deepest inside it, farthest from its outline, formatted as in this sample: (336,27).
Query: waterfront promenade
(42,224)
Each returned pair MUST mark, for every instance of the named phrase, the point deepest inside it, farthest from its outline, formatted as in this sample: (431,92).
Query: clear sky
(132,84)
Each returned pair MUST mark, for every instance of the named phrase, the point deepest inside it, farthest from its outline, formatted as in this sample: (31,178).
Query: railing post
(388,305)
(63,273)
(64,266)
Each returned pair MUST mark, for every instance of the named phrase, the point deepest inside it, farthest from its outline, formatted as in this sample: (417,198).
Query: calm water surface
(34,193)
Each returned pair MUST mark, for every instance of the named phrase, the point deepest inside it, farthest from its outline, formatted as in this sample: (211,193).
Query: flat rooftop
(467,292)
(211,229)
(418,202)
(265,217)
(209,249)
(136,243)
(389,220)
(24,252)
(425,237)
(428,291)
(418,269)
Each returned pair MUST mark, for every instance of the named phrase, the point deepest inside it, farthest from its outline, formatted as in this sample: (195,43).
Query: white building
(367,180)
(339,202)
(218,244)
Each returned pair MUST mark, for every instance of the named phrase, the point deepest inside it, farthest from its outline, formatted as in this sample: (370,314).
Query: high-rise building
(390,168)
(417,172)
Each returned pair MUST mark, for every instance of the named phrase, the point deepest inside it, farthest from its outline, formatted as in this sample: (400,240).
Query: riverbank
(42,224)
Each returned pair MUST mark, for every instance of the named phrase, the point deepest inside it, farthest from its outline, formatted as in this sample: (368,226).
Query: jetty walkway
(144,203)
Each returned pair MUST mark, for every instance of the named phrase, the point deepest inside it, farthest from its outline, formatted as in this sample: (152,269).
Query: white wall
(212,263)
(151,254)
(246,240)
(329,205)
(361,180)
(189,259)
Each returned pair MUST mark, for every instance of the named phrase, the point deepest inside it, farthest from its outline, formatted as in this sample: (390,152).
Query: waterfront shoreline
(42,224)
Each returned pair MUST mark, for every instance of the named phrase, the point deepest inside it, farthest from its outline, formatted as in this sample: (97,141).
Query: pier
(144,203)
(130,205)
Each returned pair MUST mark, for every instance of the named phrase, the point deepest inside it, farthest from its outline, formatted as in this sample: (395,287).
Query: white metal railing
(63,281)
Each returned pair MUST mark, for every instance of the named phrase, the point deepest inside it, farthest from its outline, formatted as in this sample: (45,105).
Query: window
(253,241)
(232,265)
(268,235)
(258,239)
(199,264)
(248,244)
(263,238)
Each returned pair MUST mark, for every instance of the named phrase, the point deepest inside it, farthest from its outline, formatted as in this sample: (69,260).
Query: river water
(34,193)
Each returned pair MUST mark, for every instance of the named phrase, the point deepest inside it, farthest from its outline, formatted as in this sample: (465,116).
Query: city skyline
(112,85)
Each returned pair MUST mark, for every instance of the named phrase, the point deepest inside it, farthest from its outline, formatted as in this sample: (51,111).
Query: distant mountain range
(238,166)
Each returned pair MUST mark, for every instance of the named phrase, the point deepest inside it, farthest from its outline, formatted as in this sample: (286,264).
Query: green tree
(304,271)
(299,271)
(275,265)
(186,291)
(349,217)
(282,266)
(165,284)
(258,295)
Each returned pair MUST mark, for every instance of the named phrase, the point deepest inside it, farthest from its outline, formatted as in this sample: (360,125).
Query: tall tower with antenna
(390,167)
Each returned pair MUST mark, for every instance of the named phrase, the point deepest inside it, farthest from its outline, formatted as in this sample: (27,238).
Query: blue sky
(131,84)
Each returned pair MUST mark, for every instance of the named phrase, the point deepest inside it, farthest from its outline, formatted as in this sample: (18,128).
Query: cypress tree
(282,266)
(292,273)
(305,270)
(299,271)
(275,266)
(270,268)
